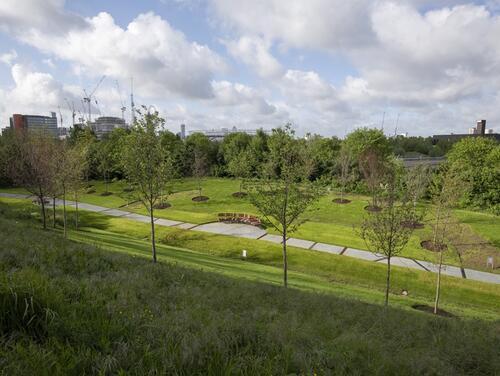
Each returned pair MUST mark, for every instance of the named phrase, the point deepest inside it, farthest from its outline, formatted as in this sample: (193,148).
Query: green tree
(284,193)
(477,161)
(146,164)
(363,139)
(384,232)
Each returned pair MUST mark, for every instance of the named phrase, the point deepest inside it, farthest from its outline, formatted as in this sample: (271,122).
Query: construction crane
(122,108)
(71,107)
(60,115)
(132,104)
(88,97)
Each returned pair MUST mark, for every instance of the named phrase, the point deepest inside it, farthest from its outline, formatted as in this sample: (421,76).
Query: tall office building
(35,123)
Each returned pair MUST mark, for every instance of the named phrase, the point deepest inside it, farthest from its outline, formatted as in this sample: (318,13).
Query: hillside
(92,311)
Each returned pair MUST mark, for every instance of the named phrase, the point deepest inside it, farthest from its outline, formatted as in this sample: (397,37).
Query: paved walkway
(252,232)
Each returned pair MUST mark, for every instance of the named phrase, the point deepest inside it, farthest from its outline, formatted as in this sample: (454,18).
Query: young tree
(372,165)
(146,165)
(447,189)
(200,167)
(384,232)
(240,166)
(31,165)
(78,164)
(284,193)
(344,161)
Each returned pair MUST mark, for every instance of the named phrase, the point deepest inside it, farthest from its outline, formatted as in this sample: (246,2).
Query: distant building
(183,131)
(218,135)
(104,125)
(35,123)
(479,131)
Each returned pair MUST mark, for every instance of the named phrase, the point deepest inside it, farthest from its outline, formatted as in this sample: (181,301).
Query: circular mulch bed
(341,201)
(372,208)
(128,189)
(430,246)
(163,205)
(412,224)
(106,193)
(200,198)
(429,309)
(91,190)
(239,194)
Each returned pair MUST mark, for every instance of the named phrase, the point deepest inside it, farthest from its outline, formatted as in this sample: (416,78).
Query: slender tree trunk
(106,181)
(54,212)
(76,211)
(241,185)
(438,284)
(285,260)
(153,244)
(44,220)
(64,213)
(388,281)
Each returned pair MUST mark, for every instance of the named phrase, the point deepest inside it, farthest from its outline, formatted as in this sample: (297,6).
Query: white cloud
(160,58)
(8,57)
(254,51)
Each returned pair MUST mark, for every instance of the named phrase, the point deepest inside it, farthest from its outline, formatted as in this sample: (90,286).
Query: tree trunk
(44,220)
(54,212)
(153,244)
(76,211)
(285,261)
(64,213)
(241,187)
(438,284)
(106,181)
(388,281)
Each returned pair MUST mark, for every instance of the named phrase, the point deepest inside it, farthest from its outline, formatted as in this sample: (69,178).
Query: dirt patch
(341,201)
(90,191)
(128,189)
(429,309)
(162,205)
(239,194)
(430,246)
(412,224)
(200,198)
(106,194)
(373,209)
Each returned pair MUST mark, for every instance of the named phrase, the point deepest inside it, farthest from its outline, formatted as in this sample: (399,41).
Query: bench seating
(239,218)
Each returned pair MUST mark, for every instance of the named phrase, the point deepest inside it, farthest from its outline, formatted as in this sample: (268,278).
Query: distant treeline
(243,156)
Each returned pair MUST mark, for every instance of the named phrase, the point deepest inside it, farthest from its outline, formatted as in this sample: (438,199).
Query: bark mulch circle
(412,224)
(430,246)
(163,205)
(239,194)
(91,190)
(341,201)
(429,309)
(128,189)
(200,198)
(372,208)
(106,193)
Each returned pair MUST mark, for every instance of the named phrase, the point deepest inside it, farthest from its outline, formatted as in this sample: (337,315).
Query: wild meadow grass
(73,308)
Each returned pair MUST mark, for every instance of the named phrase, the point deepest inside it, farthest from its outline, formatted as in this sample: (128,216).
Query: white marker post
(244,254)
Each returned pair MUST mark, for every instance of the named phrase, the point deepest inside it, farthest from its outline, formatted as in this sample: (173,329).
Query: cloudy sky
(326,66)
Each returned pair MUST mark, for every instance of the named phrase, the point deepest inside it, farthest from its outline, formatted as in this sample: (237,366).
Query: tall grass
(117,314)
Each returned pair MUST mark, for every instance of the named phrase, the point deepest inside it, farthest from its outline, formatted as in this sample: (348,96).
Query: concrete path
(252,232)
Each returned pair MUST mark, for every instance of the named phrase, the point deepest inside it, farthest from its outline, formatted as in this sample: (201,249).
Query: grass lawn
(106,309)
(325,222)
(354,277)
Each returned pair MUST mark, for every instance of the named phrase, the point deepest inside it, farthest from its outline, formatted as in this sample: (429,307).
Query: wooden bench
(239,218)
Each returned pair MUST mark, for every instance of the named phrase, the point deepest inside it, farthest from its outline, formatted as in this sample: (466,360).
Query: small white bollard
(489,262)
(244,254)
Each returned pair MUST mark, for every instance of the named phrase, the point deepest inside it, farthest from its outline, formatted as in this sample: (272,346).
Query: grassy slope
(325,222)
(116,314)
(342,274)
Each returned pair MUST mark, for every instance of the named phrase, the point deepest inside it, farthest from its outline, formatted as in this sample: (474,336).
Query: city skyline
(327,67)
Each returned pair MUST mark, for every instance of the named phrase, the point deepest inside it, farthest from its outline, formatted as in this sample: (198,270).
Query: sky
(325,66)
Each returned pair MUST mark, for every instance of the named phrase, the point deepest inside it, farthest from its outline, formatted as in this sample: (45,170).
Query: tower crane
(88,97)
(60,115)
(71,107)
(122,108)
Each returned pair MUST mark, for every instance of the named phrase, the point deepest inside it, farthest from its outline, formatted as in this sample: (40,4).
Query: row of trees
(283,175)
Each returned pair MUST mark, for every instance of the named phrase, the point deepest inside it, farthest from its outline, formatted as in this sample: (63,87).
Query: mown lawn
(325,222)
(92,311)
(363,279)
